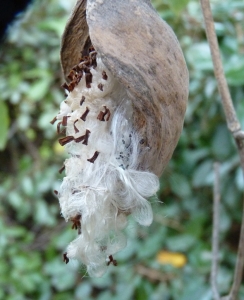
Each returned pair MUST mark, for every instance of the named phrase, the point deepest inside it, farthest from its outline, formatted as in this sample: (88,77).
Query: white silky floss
(104,190)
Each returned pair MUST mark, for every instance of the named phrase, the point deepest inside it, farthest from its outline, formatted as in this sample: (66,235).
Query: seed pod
(143,53)
(133,67)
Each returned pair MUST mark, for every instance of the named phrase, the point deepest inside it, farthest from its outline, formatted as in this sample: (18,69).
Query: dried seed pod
(133,64)
(143,53)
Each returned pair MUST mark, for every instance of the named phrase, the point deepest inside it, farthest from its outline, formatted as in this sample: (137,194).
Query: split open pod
(127,90)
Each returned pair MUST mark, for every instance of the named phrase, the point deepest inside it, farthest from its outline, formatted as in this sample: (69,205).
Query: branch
(234,127)
(215,234)
(231,118)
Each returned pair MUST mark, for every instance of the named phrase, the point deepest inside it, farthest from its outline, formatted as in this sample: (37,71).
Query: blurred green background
(171,259)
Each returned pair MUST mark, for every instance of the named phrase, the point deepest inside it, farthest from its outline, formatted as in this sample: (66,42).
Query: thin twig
(233,125)
(239,263)
(215,233)
(232,121)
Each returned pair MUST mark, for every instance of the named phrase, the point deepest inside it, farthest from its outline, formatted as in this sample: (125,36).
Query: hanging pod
(127,85)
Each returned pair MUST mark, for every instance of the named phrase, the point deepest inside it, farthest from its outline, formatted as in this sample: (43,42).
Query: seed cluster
(75,76)
(103,182)
(83,69)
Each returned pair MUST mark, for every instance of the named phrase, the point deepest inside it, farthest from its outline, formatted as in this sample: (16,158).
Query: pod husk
(143,53)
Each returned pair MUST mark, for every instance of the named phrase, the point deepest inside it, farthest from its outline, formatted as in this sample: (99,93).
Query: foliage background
(33,235)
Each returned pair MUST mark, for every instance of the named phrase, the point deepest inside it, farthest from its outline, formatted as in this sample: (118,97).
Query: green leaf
(195,226)
(199,57)
(196,289)
(177,5)
(54,25)
(234,70)
(4,117)
(221,143)
(181,242)
(202,174)
(39,89)
(152,244)
(180,185)
(235,76)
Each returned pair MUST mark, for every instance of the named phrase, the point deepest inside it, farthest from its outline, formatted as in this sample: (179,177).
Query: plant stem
(215,233)
(234,127)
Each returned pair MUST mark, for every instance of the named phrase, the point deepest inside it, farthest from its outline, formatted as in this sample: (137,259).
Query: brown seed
(64,121)
(101,115)
(75,128)
(112,260)
(79,139)
(53,120)
(93,56)
(65,86)
(55,192)
(100,86)
(83,138)
(72,85)
(82,100)
(76,223)
(65,258)
(88,77)
(71,75)
(83,117)
(94,157)
(76,68)
(58,127)
(86,59)
(66,140)
(104,75)
(61,170)
(91,49)
(85,142)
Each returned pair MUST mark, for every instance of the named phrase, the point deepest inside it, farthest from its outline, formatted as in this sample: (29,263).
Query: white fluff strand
(102,184)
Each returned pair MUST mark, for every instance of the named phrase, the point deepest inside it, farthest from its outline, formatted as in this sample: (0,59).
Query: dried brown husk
(143,53)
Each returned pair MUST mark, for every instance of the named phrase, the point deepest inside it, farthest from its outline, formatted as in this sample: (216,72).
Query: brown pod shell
(75,38)
(143,53)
